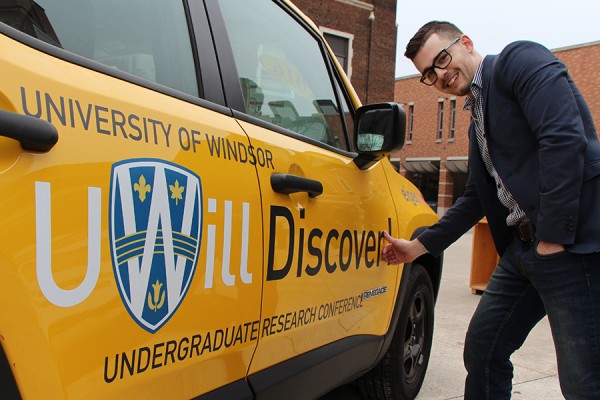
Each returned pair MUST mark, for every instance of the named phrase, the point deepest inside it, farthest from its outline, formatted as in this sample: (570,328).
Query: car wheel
(400,374)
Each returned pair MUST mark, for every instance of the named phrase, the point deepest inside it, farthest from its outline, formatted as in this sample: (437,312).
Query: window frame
(440,127)
(344,35)
(452,119)
(411,120)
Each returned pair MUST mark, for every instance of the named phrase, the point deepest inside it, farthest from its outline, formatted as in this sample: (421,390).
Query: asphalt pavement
(535,371)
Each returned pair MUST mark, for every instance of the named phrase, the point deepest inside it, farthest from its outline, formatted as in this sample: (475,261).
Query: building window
(440,120)
(452,118)
(411,114)
(341,45)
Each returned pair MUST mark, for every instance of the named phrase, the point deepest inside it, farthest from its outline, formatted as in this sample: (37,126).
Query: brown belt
(525,231)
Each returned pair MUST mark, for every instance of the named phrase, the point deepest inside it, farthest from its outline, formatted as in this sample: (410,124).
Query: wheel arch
(433,266)
(379,373)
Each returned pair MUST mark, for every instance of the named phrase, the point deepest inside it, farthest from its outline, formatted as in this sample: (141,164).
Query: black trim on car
(238,390)
(204,52)
(317,372)
(231,85)
(104,69)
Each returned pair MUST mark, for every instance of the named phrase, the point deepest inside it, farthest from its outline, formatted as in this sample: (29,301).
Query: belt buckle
(525,231)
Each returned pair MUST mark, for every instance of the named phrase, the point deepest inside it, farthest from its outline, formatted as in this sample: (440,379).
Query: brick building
(435,154)
(362,34)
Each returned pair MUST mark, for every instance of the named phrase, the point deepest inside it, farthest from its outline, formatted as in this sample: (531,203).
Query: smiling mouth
(451,81)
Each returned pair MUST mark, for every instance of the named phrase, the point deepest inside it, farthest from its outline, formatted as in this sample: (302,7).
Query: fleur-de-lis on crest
(177,192)
(142,188)
(153,300)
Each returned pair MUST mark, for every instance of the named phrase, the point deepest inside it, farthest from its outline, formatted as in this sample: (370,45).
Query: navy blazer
(543,144)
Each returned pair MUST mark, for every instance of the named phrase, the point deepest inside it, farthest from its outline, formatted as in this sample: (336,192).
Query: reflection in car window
(146,38)
(282,72)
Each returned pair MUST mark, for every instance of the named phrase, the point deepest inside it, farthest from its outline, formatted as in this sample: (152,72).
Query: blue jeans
(523,288)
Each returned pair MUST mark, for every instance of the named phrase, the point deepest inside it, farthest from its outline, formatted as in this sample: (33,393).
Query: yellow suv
(192,207)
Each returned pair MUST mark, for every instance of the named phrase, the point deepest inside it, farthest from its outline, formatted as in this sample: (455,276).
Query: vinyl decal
(155,235)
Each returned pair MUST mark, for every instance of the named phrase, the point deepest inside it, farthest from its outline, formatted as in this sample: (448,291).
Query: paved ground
(535,363)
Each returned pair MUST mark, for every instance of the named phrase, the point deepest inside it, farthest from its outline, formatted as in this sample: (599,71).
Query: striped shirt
(475,105)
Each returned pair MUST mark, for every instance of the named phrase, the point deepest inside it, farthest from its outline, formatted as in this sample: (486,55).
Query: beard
(464,91)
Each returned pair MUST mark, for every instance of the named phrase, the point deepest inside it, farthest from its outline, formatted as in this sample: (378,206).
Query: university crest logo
(155,234)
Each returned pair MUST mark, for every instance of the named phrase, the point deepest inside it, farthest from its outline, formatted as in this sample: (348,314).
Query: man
(534,172)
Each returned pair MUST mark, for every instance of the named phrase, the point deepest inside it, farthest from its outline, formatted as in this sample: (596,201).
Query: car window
(146,38)
(282,71)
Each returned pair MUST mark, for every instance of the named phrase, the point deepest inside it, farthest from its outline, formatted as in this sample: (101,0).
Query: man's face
(457,76)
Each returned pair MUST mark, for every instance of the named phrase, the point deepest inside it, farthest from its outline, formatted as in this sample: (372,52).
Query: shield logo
(155,235)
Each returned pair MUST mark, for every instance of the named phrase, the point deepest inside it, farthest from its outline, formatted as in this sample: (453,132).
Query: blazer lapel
(486,74)
(475,152)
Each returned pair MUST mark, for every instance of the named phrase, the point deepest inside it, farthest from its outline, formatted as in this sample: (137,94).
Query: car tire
(400,373)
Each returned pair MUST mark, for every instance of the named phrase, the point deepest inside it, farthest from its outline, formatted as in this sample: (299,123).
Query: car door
(322,215)
(132,248)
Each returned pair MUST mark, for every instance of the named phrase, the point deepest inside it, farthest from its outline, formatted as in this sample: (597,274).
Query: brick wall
(581,60)
(425,101)
(374,44)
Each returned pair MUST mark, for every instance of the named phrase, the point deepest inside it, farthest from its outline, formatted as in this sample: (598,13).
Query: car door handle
(286,184)
(34,134)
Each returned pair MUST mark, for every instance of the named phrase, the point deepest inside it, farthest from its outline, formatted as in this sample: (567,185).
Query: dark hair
(442,28)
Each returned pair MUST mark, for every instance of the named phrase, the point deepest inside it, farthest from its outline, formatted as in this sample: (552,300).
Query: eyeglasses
(442,60)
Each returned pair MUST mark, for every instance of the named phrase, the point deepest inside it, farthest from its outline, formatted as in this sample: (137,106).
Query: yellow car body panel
(412,210)
(64,350)
(322,252)
(252,278)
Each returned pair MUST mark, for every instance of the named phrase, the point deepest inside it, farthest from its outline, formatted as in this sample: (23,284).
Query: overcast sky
(493,24)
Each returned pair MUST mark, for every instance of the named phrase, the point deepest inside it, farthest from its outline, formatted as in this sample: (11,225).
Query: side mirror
(379,130)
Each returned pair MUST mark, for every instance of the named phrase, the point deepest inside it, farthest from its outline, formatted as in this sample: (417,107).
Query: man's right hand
(399,251)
